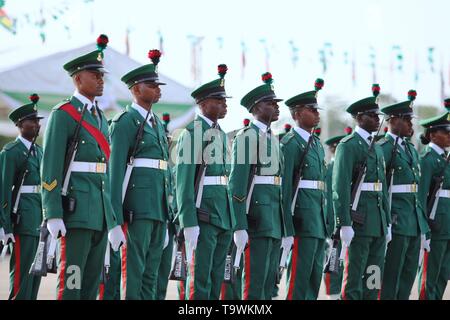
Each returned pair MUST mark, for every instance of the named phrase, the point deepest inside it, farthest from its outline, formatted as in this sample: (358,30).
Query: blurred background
(349,43)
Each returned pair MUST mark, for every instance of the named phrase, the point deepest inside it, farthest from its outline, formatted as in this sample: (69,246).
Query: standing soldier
(434,191)
(255,185)
(362,215)
(140,181)
(408,216)
(304,196)
(333,280)
(203,201)
(75,182)
(22,207)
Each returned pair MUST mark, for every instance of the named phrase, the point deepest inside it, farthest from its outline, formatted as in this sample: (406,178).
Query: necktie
(153,122)
(94,114)
(33,151)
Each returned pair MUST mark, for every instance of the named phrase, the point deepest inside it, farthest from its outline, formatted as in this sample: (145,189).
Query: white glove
(389,234)
(116,238)
(166,239)
(55,226)
(2,234)
(286,243)
(191,236)
(240,238)
(425,243)
(7,237)
(347,235)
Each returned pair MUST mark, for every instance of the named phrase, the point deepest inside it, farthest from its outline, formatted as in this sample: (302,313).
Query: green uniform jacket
(310,216)
(331,219)
(2,203)
(351,152)
(148,189)
(432,165)
(408,216)
(265,204)
(215,199)
(13,158)
(91,190)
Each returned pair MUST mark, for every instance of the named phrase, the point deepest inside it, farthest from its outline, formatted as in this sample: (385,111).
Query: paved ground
(48,286)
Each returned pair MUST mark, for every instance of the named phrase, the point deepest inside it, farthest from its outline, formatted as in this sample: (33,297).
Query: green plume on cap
(318,84)
(412,94)
(375,89)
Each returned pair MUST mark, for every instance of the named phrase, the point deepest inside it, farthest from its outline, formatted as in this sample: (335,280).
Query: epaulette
(190,126)
(383,141)
(347,138)
(242,130)
(288,136)
(11,145)
(59,105)
(118,116)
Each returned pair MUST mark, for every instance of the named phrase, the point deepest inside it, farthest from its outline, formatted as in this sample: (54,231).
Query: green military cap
(336,139)
(213,89)
(439,122)
(403,108)
(145,73)
(366,105)
(308,98)
(90,61)
(261,93)
(27,111)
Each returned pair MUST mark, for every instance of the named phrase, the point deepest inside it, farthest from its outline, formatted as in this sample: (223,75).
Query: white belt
(311,184)
(215,180)
(30,189)
(275,180)
(444,193)
(404,188)
(89,167)
(372,186)
(150,163)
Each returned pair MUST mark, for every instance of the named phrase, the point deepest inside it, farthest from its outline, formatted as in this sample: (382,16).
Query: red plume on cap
(318,84)
(246,122)
(287,126)
(267,78)
(412,94)
(166,117)
(34,98)
(375,89)
(154,55)
(317,131)
(222,70)
(102,42)
(385,129)
(348,130)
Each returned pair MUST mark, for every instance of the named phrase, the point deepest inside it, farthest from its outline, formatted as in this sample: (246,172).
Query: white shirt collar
(208,121)
(83,99)
(363,134)
(400,140)
(143,112)
(436,148)
(25,142)
(303,133)
(262,127)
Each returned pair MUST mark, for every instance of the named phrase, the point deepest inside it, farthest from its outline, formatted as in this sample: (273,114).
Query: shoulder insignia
(59,105)
(288,136)
(11,145)
(118,116)
(49,187)
(238,199)
(347,138)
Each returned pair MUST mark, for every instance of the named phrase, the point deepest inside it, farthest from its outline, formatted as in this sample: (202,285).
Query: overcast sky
(351,26)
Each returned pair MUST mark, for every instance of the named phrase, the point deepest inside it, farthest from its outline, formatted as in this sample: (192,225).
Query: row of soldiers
(101,199)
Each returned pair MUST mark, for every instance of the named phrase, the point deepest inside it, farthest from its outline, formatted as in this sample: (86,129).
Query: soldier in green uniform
(435,268)
(75,187)
(22,207)
(333,281)
(140,182)
(255,185)
(408,216)
(365,234)
(304,196)
(204,209)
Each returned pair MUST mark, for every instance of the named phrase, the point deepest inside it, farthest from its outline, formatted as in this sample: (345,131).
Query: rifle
(69,203)
(433,197)
(179,269)
(358,217)
(334,262)
(390,170)
(230,268)
(17,188)
(44,260)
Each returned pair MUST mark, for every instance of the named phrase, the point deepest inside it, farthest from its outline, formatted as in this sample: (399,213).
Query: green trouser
(23,286)
(333,281)
(363,268)
(207,270)
(400,267)
(260,268)
(435,271)
(80,264)
(140,259)
(164,267)
(112,286)
(306,268)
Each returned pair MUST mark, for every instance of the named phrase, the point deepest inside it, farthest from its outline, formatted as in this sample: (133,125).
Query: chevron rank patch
(49,187)
(239,199)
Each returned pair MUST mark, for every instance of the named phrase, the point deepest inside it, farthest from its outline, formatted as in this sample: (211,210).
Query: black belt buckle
(128,216)
(15,218)
(203,215)
(358,217)
(434,226)
(69,204)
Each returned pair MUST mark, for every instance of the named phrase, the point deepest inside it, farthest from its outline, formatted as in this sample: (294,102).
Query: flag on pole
(243,59)
(161,42)
(127,42)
